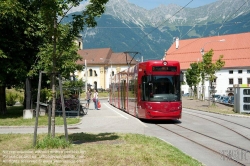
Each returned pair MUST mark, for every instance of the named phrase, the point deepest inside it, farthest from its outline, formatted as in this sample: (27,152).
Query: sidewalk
(203,106)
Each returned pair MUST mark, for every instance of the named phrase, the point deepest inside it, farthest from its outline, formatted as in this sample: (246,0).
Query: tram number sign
(164,68)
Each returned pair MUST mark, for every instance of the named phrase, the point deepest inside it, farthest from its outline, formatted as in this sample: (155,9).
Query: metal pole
(111,69)
(86,76)
(111,74)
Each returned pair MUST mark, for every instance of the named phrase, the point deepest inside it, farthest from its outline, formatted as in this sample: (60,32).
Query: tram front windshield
(160,88)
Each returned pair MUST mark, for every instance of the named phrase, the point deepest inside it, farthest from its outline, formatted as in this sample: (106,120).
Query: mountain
(127,27)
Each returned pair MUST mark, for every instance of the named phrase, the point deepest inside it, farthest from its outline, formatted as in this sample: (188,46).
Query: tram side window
(145,88)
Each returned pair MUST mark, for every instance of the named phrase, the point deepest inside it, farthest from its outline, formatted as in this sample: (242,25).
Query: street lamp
(203,77)
(202,49)
(86,75)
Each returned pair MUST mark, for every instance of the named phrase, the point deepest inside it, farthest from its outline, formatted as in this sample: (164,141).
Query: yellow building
(99,64)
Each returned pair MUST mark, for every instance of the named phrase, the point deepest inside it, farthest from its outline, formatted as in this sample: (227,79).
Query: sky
(150,4)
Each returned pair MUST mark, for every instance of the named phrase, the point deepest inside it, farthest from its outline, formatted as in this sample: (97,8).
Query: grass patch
(98,149)
(100,94)
(14,117)
(49,142)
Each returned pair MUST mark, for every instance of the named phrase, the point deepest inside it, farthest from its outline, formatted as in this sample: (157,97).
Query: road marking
(141,122)
(115,111)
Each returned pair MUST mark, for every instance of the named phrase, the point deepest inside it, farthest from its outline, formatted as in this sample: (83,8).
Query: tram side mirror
(182,77)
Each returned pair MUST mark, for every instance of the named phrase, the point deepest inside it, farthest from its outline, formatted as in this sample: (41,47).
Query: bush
(49,143)
(21,100)
(11,98)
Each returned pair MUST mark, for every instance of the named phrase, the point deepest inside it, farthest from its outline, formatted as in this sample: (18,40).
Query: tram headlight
(164,63)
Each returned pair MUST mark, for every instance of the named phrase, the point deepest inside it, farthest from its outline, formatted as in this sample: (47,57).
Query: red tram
(148,90)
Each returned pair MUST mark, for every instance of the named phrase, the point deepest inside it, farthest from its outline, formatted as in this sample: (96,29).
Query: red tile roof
(102,56)
(235,50)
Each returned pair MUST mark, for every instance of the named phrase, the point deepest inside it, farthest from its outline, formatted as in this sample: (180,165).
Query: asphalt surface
(109,119)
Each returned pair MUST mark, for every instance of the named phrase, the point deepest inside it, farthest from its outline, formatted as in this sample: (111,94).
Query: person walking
(95,99)
(88,97)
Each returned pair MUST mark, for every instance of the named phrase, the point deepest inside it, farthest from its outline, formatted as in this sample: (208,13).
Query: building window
(239,80)
(90,72)
(95,73)
(231,71)
(240,71)
(231,81)
(248,80)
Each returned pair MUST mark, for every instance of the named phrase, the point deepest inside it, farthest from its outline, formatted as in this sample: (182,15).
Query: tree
(56,53)
(210,68)
(19,40)
(193,77)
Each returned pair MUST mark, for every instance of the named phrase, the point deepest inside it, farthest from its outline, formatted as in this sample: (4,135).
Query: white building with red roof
(235,49)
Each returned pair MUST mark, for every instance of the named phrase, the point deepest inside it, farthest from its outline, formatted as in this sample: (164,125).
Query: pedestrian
(95,99)
(88,97)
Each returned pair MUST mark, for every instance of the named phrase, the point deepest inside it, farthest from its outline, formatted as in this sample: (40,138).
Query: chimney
(177,43)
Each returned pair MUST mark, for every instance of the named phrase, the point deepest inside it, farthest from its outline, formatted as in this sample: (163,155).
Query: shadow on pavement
(101,138)
(161,121)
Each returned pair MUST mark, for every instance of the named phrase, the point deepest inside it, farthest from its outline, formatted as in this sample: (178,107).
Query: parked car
(215,97)
(231,100)
(225,100)
(185,94)
(220,99)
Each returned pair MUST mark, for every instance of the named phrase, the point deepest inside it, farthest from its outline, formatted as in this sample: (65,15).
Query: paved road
(110,119)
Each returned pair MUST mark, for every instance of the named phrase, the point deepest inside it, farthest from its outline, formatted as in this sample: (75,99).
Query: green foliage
(209,67)
(72,88)
(13,95)
(2,55)
(193,75)
(45,95)
(73,84)
(51,143)
(199,70)
(11,98)
(18,18)
(21,99)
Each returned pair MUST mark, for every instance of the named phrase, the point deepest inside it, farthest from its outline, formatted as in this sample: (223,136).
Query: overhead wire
(230,16)
(159,24)
(162,23)
(226,19)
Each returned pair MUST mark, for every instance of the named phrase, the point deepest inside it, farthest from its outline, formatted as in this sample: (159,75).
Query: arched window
(95,73)
(90,72)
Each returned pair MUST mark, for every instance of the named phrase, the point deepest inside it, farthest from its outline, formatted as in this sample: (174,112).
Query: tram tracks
(219,119)
(225,156)
(217,141)
(221,124)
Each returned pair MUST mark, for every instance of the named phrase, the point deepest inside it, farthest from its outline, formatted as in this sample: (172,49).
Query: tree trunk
(27,94)
(53,123)
(3,108)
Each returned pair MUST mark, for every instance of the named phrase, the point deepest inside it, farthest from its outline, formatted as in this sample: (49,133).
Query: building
(235,49)
(100,64)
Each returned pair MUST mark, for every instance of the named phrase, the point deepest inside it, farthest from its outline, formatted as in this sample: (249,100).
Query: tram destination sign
(165,68)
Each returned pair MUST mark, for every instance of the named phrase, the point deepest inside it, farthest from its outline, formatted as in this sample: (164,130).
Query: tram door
(123,94)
